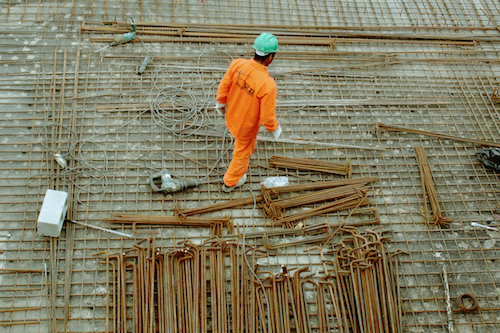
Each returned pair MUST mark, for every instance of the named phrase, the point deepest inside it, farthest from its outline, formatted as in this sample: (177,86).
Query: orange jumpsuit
(249,93)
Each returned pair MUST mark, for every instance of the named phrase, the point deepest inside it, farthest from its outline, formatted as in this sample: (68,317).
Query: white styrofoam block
(52,214)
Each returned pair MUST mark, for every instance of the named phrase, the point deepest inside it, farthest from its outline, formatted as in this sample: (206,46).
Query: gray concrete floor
(56,91)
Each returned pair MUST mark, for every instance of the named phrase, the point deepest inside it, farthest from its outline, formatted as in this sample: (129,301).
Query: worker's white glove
(277,133)
(221,108)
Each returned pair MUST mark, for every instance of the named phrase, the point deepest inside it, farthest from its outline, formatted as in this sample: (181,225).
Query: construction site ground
(429,65)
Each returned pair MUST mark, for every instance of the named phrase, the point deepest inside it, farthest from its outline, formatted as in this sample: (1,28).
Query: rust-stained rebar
(345,197)
(429,191)
(235,34)
(322,185)
(215,223)
(340,204)
(274,208)
(207,288)
(274,190)
(312,165)
(364,275)
(170,289)
(380,127)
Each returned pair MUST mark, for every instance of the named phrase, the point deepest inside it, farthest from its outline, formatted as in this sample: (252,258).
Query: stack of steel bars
(312,165)
(209,288)
(188,289)
(345,197)
(246,33)
(271,192)
(216,224)
(359,294)
(428,190)
(367,286)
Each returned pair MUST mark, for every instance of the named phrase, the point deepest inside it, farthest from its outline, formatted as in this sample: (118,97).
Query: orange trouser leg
(243,150)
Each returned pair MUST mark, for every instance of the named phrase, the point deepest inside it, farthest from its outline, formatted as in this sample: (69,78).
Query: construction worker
(247,97)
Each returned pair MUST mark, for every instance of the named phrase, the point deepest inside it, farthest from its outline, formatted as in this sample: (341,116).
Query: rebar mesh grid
(51,75)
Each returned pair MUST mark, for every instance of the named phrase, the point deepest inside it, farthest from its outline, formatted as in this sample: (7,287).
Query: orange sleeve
(267,108)
(225,85)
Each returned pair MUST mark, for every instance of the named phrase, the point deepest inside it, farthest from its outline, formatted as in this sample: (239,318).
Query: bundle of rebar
(314,234)
(287,310)
(186,289)
(312,165)
(311,234)
(366,285)
(429,191)
(273,191)
(216,224)
(237,33)
(210,288)
(274,207)
(315,228)
(345,197)
(350,202)
(358,294)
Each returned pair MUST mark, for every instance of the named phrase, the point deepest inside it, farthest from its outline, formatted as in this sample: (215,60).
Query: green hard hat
(266,42)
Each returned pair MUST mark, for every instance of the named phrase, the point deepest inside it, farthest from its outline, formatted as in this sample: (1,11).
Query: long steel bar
(183,32)
(299,28)
(299,142)
(381,127)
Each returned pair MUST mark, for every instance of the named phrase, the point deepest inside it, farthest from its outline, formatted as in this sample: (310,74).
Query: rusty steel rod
(312,165)
(429,191)
(381,127)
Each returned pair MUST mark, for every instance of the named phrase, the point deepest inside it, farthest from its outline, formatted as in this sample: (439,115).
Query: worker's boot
(241,181)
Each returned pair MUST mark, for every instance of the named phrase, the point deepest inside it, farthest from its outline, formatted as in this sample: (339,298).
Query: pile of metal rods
(190,289)
(315,227)
(273,191)
(366,284)
(312,165)
(345,197)
(350,202)
(429,191)
(313,234)
(209,288)
(288,307)
(358,293)
(216,224)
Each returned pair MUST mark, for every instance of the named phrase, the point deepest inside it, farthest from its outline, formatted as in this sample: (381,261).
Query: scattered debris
(449,312)
(490,158)
(102,229)
(475,224)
